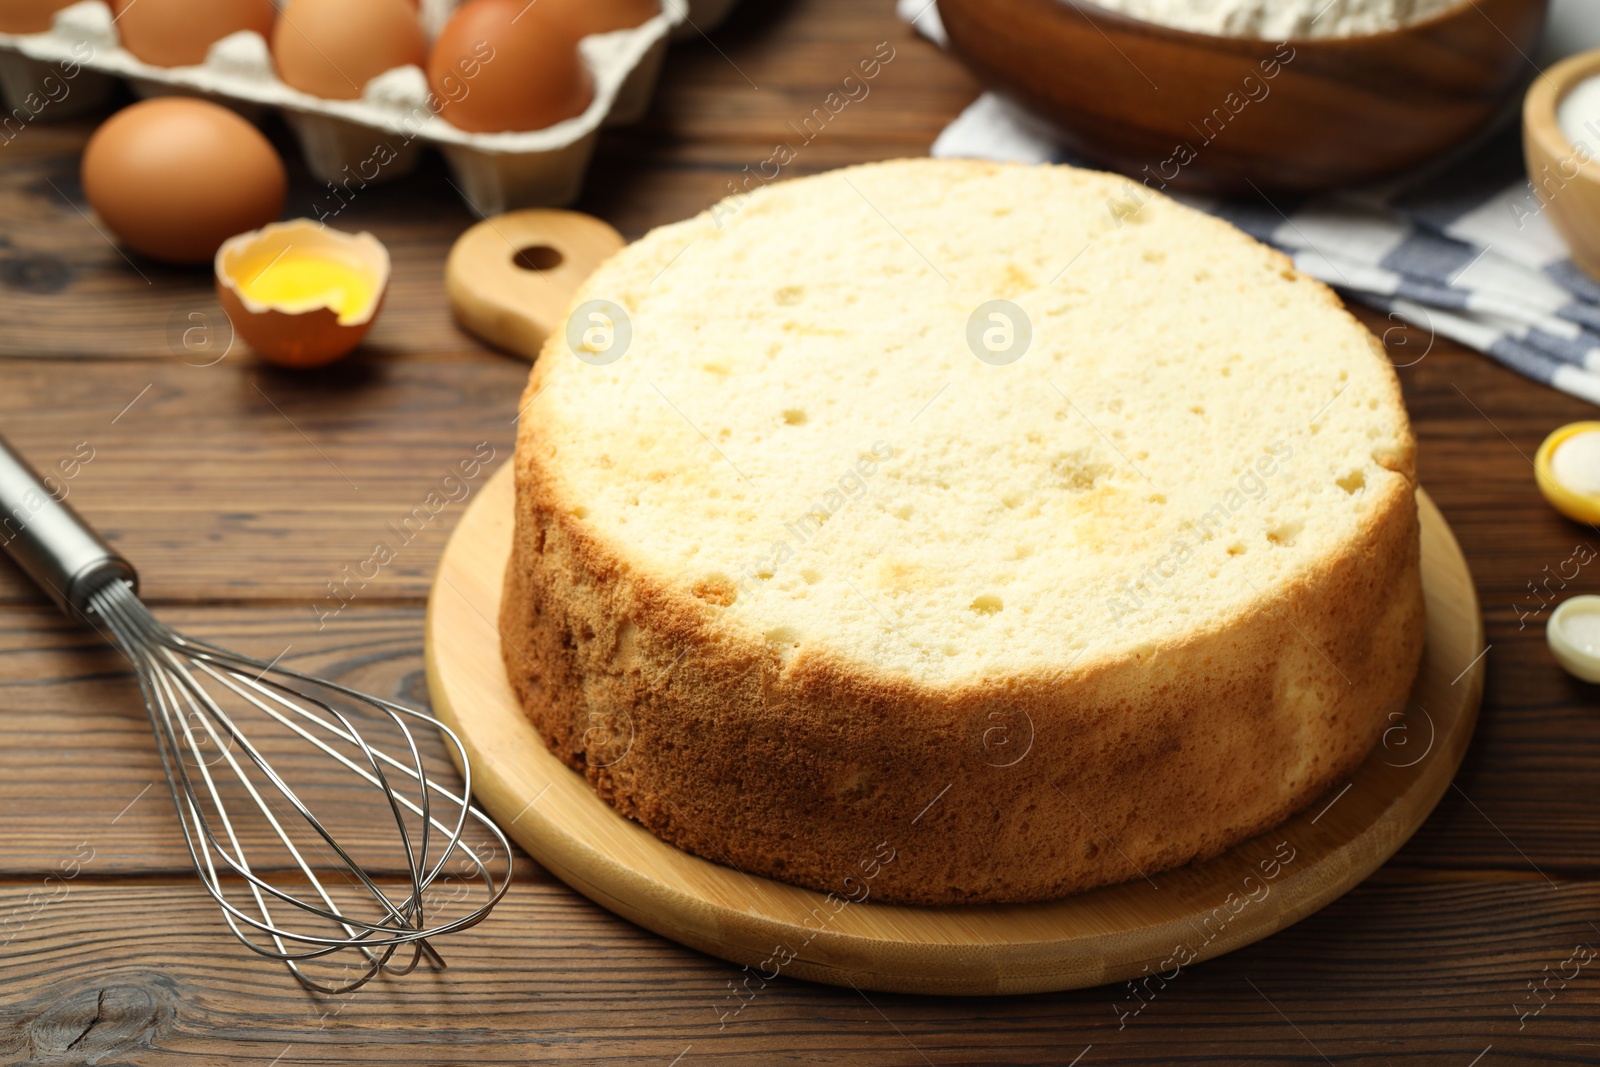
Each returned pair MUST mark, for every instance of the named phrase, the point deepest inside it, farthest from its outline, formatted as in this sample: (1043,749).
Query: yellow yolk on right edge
(303,281)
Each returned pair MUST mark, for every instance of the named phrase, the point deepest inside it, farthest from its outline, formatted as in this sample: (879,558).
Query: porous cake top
(954,419)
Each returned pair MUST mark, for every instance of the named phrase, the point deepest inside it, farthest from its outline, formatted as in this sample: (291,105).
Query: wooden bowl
(1566,177)
(1217,114)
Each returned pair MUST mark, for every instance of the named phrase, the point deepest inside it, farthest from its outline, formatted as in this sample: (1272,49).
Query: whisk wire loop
(184,682)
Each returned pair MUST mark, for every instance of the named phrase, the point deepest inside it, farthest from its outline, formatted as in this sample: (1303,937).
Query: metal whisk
(302,896)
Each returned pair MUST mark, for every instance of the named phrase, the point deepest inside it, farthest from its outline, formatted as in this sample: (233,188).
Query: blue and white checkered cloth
(1461,250)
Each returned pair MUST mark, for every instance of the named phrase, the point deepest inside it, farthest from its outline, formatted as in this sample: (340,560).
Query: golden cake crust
(998,789)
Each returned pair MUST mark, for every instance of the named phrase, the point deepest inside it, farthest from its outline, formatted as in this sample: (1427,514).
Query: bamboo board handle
(511,278)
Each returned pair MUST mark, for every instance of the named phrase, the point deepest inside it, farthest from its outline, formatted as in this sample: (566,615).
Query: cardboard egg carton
(73,68)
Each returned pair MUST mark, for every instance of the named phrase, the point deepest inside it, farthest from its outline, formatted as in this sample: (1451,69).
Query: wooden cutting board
(1147,929)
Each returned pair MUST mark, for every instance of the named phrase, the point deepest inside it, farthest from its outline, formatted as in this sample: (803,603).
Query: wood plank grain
(78,748)
(334,456)
(776,61)
(238,482)
(220,499)
(55,262)
(259,514)
(80,765)
(1391,973)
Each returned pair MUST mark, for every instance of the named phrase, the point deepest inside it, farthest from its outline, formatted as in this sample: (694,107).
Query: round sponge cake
(951,532)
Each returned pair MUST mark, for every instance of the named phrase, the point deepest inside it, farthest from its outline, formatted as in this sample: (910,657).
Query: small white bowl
(1574,635)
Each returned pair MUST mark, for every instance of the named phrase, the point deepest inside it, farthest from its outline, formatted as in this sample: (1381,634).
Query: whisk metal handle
(48,540)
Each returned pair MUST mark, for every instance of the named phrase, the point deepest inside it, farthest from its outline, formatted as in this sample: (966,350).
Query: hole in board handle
(539,257)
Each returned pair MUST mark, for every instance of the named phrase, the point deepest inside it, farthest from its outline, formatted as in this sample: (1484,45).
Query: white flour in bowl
(1280,20)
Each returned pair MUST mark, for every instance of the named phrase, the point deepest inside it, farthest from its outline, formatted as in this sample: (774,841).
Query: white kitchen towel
(1460,250)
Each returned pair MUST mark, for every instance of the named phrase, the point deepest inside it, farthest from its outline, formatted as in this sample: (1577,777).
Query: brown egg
(583,17)
(503,65)
(179,33)
(302,294)
(174,177)
(29,16)
(332,48)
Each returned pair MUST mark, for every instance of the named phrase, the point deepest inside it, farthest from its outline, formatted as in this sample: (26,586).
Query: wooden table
(241,491)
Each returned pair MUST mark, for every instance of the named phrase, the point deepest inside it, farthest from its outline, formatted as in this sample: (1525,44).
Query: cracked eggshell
(309,334)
